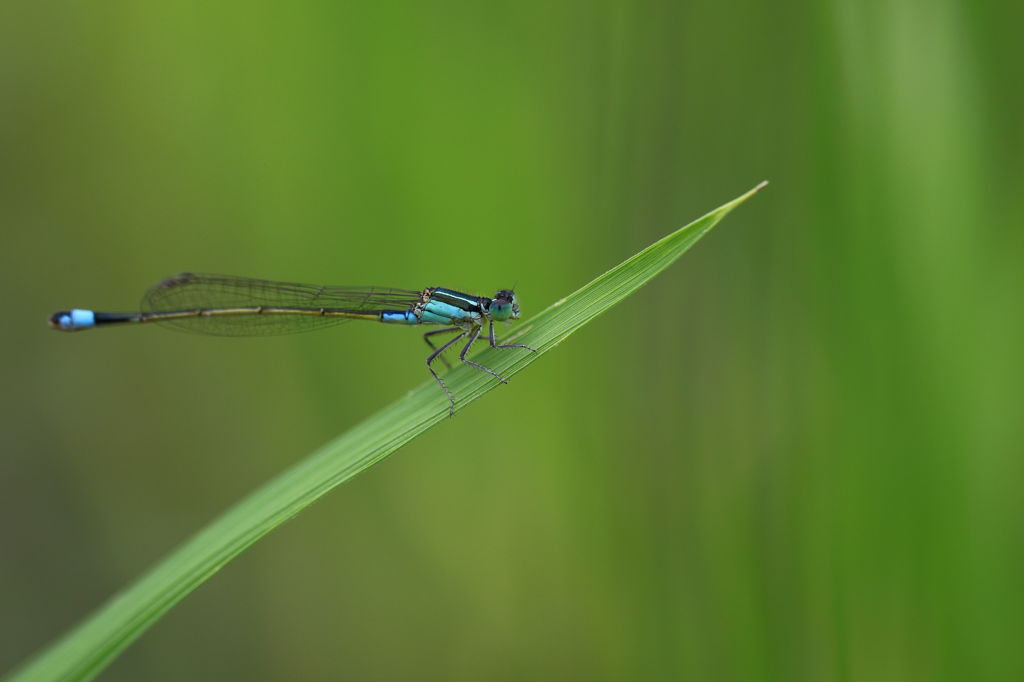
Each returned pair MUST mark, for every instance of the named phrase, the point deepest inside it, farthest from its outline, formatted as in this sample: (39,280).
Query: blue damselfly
(237,306)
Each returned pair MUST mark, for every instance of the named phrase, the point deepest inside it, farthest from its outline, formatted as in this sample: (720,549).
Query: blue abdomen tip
(73,320)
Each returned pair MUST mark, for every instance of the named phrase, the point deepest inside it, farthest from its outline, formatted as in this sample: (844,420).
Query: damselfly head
(503,306)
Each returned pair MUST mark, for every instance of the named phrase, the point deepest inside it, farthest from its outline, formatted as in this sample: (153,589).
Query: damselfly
(237,306)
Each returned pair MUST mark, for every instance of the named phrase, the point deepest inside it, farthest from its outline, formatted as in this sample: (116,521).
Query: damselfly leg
(469,344)
(427,335)
(495,344)
(473,336)
(431,358)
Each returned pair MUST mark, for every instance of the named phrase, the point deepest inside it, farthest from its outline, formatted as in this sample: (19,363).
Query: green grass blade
(86,650)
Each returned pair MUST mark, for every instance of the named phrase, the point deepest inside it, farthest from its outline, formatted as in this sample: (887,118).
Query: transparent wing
(200,291)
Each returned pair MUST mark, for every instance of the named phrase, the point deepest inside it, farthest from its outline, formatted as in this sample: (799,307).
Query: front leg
(494,343)
(462,356)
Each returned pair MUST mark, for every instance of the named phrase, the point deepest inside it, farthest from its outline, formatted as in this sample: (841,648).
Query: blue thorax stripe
(457,299)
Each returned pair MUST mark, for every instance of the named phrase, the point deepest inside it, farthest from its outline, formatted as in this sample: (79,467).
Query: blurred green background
(797,455)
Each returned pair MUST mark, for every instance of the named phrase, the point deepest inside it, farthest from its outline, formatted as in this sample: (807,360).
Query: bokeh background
(797,455)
